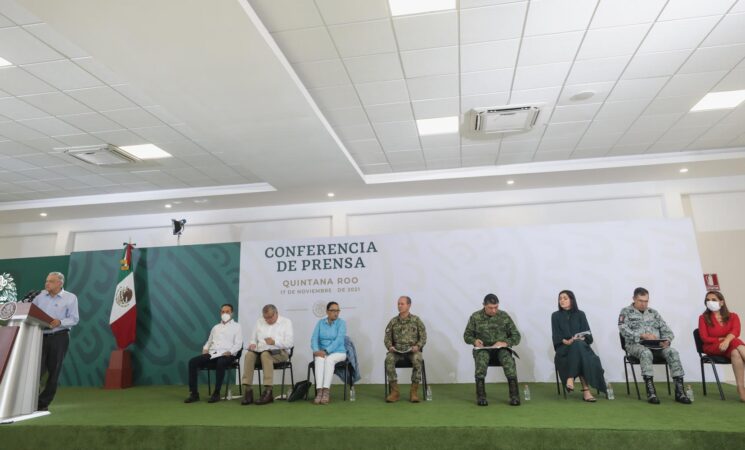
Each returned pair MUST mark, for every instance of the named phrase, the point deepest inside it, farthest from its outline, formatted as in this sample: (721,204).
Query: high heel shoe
(591,399)
(569,387)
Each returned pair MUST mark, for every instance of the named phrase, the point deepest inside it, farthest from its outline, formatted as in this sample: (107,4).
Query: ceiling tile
(363,38)
(557,16)
(346,117)
(17,13)
(545,75)
(601,91)
(383,92)
(617,41)
(63,75)
(98,70)
(415,156)
(76,140)
(492,23)
(710,59)
(287,14)
(450,140)
(158,134)
(17,81)
(683,9)
(445,152)
(55,40)
(382,67)
(702,118)
(442,164)
(420,31)
(677,34)
(14,164)
(488,149)
(335,97)
(370,169)
(628,109)
(343,11)
(315,74)
(392,112)
(135,95)
(523,146)
(17,109)
(637,89)
(613,13)
(691,84)
(309,44)
(133,118)
(101,98)
(489,55)
(409,166)
(51,126)
(657,64)
(550,48)
(428,62)
(21,47)
(399,136)
(56,103)
(438,86)
(552,155)
(482,101)
(543,96)
(355,132)
(671,105)
(734,81)
(565,130)
(162,114)
(514,158)
(729,31)
(628,149)
(91,122)
(487,82)
(370,157)
(13,148)
(572,113)
(597,70)
(595,140)
(441,107)
(45,160)
(365,146)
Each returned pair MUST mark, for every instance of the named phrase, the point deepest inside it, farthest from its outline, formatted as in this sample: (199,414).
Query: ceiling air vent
(105,155)
(503,119)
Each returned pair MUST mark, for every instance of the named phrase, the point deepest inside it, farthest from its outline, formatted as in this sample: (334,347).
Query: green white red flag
(123,319)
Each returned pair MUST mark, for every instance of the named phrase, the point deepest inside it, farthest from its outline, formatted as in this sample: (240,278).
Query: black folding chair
(281,365)
(631,361)
(235,365)
(405,363)
(709,359)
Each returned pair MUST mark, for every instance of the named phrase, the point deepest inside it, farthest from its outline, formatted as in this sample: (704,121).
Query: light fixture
(168,206)
(683,170)
(579,96)
(200,200)
(146,151)
(43,214)
(4,62)
(510,182)
(406,7)
(440,125)
(330,195)
(720,100)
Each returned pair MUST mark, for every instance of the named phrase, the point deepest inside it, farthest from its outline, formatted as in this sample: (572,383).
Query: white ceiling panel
(657,64)
(101,98)
(98,70)
(731,30)
(420,31)
(733,81)
(447,152)
(51,126)
(158,134)
(16,109)
(565,130)
(710,59)
(134,94)
(613,13)
(594,140)
(56,103)
(17,14)
(392,112)
(439,86)
(133,118)
(5,22)
(42,144)
(480,101)
(371,169)
(487,149)
(63,75)
(637,89)
(74,140)
(121,137)
(574,113)
(448,163)
(383,92)
(17,81)
(670,105)
(622,109)
(514,158)
(315,74)
(381,67)
(355,132)
(683,9)
(366,146)
(545,97)
(428,62)
(91,122)
(410,156)
(487,82)
(368,158)
(551,48)
(702,118)
(597,70)
(557,16)
(617,41)
(343,11)
(691,84)
(552,155)
(21,47)
(346,117)
(600,90)
(309,44)
(397,136)
(678,34)
(55,40)
(287,14)
(450,140)
(45,160)
(489,55)
(441,107)
(492,23)
(364,38)
(628,149)
(13,148)
(611,125)
(336,97)
(523,146)
(544,75)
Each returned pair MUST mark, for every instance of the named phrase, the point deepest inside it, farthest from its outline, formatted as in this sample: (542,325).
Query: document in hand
(495,347)
(653,344)
(582,334)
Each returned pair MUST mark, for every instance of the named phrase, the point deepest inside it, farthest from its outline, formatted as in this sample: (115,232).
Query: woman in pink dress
(720,331)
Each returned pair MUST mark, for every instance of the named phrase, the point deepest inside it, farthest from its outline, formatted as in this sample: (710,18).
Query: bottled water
(526,392)
(230,395)
(689,392)
(611,395)
(352,396)
(428,394)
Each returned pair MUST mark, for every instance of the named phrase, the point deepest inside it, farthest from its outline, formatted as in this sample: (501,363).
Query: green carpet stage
(155,417)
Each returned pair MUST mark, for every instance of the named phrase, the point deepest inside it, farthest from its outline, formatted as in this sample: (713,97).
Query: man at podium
(62,307)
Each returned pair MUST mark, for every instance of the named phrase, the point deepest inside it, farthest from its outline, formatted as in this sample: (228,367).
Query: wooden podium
(20,358)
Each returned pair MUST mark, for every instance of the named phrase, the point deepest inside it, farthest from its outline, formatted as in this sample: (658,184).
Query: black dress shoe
(248,397)
(266,397)
(192,398)
(214,399)
(42,408)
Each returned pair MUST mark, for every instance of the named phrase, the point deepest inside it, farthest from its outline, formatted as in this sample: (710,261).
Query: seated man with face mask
(224,342)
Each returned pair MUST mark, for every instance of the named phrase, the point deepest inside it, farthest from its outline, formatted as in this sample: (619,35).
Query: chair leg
(636,384)
(626,372)
(667,376)
(385,383)
(240,380)
(311,370)
(716,376)
(258,378)
(424,380)
(209,383)
(282,389)
(703,375)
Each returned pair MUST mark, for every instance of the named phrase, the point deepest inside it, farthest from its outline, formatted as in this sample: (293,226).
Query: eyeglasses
(333,310)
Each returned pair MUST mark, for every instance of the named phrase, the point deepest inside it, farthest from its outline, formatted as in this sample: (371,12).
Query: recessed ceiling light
(43,214)
(720,100)
(168,205)
(440,125)
(200,200)
(330,194)
(146,151)
(4,62)
(684,170)
(510,182)
(579,96)
(406,7)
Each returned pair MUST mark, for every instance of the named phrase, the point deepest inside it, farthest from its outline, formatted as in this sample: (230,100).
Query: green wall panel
(30,273)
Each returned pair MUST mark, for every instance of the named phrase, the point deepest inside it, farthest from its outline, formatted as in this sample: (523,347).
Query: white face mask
(225,317)
(713,306)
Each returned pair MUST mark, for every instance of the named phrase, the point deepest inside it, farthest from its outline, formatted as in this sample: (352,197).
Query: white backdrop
(447,275)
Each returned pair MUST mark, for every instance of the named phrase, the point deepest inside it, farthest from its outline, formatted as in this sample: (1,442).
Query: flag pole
(123,323)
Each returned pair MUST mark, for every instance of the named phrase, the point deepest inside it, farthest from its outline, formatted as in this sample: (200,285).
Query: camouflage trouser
(646,356)
(416,360)
(481,358)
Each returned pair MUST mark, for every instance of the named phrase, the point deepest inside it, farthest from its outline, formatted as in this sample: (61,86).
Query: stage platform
(156,417)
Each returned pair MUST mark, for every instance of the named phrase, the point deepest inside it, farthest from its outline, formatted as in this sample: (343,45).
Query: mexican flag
(123,318)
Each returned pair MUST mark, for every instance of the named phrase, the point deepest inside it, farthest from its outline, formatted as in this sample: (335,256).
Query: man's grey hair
(58,275)
(269,309)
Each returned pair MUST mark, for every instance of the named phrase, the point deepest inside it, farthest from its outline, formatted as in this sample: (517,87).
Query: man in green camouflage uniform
(405,333)
(490,327)
(638,322)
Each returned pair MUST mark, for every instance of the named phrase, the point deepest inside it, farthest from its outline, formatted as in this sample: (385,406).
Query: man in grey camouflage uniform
(637,322)
(404,338)
(490,327)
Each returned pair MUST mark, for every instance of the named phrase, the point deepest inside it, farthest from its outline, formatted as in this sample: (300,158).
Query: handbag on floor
(299,391)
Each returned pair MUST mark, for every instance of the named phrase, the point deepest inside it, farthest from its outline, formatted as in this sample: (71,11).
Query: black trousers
(53,351)
(219,364)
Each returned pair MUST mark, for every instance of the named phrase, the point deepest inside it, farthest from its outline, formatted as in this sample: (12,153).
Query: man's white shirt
(280,331)
(224,337)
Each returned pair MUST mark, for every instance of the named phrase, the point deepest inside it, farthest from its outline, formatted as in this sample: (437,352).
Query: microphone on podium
(30,296)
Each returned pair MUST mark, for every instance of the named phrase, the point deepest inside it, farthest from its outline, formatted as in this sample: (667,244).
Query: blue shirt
(329,337)
(63,307)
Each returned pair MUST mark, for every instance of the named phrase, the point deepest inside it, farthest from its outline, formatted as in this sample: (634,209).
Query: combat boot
(651,392)
(395,394)
(680,393)
(413,394)
(481,392)
(514,392)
